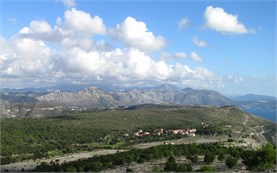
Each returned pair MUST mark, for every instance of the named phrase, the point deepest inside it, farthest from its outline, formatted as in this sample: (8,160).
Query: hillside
(41,137)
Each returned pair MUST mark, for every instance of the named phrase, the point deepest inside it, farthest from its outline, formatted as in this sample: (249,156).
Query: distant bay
(269,114)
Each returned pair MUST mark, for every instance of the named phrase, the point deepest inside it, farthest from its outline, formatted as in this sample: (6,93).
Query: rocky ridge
(93,98)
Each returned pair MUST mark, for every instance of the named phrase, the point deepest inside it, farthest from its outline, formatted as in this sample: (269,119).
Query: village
(158,132)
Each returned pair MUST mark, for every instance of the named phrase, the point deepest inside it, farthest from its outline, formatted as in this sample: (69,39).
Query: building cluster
(141,133)
(76,108)
(189,132)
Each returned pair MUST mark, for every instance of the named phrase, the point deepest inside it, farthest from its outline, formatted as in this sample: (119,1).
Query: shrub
(207,168)
(209,158)
(231,161)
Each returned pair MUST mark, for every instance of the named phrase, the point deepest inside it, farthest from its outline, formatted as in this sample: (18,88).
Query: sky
(225,46)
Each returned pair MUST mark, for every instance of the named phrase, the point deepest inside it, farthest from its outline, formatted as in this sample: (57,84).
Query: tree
(207,168)
(71,169)
(156,169)
(184,168)
(221,157)
(129,170)
(231,161)
(140,160)
(209,158)
(249,159)
(170,165)
(260,160)
(96,166)
(268,155)
(235,152)
(230,140)
(193,159)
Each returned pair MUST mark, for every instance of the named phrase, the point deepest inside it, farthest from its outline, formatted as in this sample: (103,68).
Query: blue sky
(225,46)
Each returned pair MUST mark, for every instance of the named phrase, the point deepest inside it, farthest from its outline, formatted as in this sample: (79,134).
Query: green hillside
(45,137)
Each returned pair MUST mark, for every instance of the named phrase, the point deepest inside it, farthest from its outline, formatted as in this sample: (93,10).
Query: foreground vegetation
(35,138)
(255,160)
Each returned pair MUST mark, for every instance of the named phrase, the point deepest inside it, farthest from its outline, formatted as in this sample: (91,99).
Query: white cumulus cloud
(75,23)
(173,56)
(196,57)
(180,56)
(135,34)
(30,59)
(235,79)
(80,21)
(68,3)
(26,57)
(183,23)
(40,26)
(199,43)
(217,19)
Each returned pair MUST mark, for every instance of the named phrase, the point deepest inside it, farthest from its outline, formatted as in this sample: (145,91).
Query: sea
(269,114)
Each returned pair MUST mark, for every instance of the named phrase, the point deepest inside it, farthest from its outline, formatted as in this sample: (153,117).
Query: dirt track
(30,164)
(182,141)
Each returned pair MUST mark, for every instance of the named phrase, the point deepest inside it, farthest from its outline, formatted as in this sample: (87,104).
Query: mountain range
(38,104)
(165,94)
(255,101)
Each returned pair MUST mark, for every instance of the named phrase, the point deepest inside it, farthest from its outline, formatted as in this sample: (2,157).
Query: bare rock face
(96,98)
(91,97)
(53,103)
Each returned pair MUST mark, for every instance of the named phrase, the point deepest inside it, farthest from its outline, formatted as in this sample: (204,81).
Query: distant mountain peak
(92,88)
(166,86)
(188,89)
(254,97)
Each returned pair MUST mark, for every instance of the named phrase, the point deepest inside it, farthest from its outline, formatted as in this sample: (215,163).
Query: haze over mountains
(30,104)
